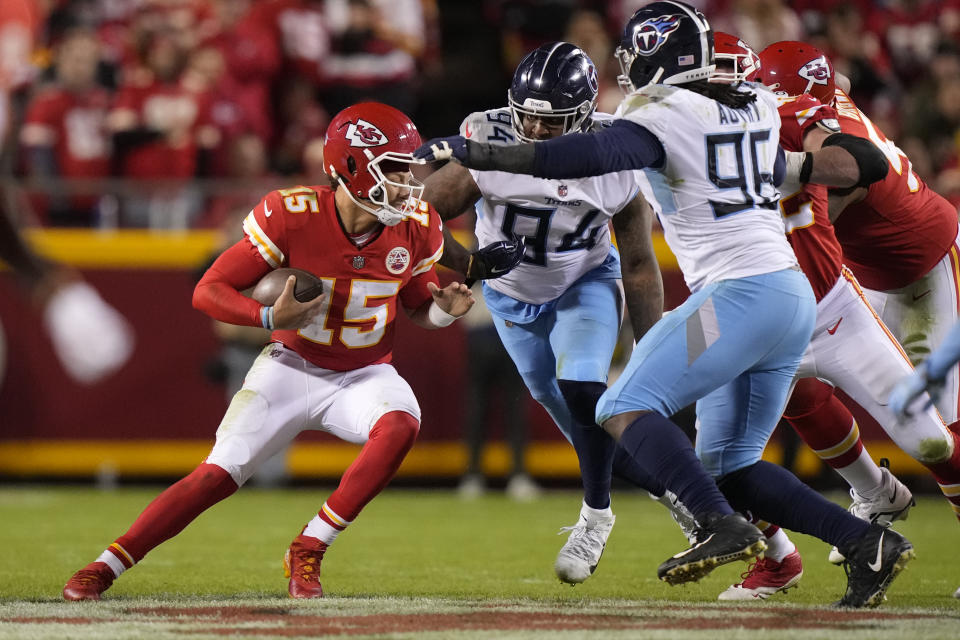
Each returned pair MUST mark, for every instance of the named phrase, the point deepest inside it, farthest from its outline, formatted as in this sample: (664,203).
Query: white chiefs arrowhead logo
(363,134)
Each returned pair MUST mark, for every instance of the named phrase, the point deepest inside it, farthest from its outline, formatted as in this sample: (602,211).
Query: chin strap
(382,214)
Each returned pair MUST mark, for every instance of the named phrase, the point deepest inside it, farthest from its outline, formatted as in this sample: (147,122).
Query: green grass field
(427,558)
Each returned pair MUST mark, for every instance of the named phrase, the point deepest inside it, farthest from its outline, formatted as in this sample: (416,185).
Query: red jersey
(805,208)
(174,111)
(300,228)
(75,125)
(902,228)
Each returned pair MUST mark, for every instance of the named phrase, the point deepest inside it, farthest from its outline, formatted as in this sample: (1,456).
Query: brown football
(271,286)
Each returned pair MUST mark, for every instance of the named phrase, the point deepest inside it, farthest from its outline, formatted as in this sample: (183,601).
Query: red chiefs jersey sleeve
(798,115)
(430,248)
(902,228)
(805,208)
(265,227)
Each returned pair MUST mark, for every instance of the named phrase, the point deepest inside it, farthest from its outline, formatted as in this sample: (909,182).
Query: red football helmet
(736,60)
(363,143)
(792,68)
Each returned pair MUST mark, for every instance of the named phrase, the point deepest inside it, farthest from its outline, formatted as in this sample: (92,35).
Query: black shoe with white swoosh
(720,539)
(872,562)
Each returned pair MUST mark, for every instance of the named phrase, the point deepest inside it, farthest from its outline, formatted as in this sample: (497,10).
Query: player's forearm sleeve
(623,146)
(944,356)
(871,162)
(780,167)
(218,292)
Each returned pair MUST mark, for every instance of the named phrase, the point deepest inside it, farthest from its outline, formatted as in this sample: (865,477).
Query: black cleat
(872,562)
(720,539)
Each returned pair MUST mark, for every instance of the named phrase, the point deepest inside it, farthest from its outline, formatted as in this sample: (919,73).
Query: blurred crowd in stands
(182,113)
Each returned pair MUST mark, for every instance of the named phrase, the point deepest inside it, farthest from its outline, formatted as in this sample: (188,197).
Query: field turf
(424,564)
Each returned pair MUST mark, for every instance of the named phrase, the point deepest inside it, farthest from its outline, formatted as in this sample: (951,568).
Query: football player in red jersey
(899,238)
(851,347)
(374,244)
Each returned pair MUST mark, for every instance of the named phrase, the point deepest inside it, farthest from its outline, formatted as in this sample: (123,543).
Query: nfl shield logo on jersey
(562,191)
(397,260)
(358,262)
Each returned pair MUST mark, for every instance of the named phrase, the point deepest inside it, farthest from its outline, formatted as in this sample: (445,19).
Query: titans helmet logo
(651,34)
(592,78)
(363,134)
(817,71)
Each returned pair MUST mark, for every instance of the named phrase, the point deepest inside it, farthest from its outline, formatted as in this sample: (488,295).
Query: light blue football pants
(733,347)
(573,341)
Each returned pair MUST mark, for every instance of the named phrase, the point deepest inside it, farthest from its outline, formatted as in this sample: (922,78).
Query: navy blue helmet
(556,82)
(666,42)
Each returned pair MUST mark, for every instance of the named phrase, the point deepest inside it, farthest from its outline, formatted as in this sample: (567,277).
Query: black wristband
(806,168)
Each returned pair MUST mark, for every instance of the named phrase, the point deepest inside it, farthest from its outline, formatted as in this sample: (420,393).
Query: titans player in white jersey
(709,154)
(558,312)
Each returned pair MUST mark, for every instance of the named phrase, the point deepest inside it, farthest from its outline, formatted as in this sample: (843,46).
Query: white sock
(113,562)
(779,546)
(863,475)
(592,515)
(323,530)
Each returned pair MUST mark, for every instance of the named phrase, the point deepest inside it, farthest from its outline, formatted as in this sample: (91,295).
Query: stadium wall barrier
(158,415)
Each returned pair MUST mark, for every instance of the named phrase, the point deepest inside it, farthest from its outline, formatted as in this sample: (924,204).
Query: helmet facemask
(378,194)
(570,119)
(743,67)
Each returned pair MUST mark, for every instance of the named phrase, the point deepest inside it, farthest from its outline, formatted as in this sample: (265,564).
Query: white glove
(907,399)
(91,339)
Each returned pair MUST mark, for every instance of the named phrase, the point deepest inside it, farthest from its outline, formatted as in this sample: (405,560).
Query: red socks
(390,439)
(173,510)
(816,415)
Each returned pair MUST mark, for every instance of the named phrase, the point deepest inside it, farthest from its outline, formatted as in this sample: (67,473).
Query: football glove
(440,149)
(495,260)
(903,398)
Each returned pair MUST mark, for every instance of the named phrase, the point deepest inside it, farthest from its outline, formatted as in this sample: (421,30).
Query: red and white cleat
(301,564)
(89,582)
(765,577)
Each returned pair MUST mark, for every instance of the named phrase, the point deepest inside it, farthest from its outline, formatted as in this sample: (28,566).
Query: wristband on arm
(266,317)
(438,316)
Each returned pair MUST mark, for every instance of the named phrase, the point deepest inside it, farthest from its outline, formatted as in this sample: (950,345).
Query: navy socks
(772,493)
(662,448)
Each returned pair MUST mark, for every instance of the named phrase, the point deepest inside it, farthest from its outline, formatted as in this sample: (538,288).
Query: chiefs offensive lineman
(373,243)
(851,348)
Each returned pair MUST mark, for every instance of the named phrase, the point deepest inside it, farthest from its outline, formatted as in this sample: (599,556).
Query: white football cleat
(891,502)
(579,557)
(681,515)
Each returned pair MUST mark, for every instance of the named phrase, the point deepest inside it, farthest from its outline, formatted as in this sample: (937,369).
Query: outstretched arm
(623,146)
(837,160)
(451,190)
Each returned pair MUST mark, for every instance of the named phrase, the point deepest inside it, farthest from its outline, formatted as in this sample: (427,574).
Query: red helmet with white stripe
(365,142)
(736,60)
(792,68)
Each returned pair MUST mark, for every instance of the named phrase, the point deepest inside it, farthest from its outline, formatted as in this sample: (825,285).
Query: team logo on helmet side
(363,134)
(816,71)
(397,260)
(652,33)
(592,80)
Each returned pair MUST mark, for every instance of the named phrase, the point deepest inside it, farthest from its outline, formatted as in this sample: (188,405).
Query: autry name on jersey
(728,115)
